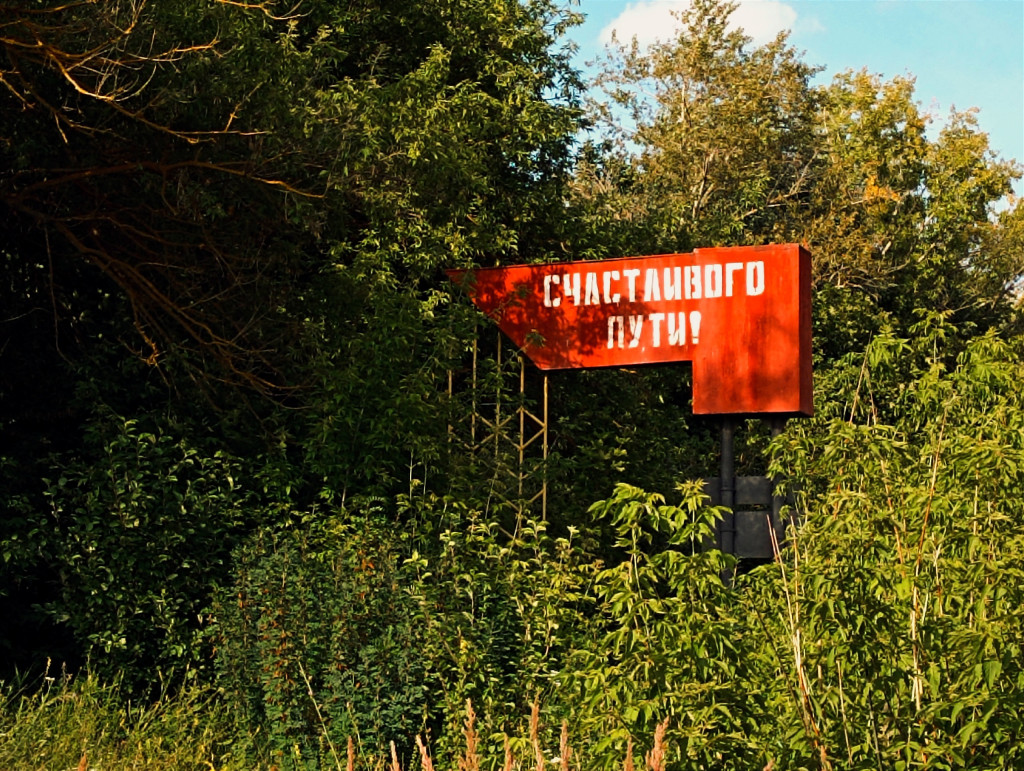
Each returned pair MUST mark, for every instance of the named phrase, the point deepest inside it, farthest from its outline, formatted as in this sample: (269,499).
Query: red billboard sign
(742,315)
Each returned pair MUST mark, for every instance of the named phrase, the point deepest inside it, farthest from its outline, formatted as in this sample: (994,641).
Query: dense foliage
(252,440)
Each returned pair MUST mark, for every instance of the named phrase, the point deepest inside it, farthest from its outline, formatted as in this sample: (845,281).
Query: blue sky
(962,53)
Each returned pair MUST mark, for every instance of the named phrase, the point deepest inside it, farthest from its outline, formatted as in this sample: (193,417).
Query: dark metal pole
(727,488)
(777,425)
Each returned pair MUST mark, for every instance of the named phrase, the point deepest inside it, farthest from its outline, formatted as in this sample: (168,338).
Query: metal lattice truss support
(502,435)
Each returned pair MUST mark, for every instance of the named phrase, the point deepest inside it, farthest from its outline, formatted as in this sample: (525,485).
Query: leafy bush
(136,528)
(319,641)
(888,632)
(350,627)
(675,641)
(903,600)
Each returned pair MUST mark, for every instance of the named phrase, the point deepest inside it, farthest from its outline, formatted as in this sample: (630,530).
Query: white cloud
(764,19)
(652,20)
(648,22)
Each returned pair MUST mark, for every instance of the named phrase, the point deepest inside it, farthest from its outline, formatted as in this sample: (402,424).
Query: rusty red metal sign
(742,315)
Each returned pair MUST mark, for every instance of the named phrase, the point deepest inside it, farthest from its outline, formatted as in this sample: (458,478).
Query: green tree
(717,141)
(901,222)
(244,196)
(716,137)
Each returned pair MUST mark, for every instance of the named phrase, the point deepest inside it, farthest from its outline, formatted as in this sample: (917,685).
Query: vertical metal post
(451,392)
(777,425)
(727,488)
(522,423)
(473,395)
(544,457)
(499,383)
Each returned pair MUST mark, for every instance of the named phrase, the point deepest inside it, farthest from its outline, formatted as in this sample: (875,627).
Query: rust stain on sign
(742,315)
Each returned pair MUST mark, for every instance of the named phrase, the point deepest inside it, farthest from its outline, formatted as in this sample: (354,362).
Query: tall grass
(81,724)
(77,723)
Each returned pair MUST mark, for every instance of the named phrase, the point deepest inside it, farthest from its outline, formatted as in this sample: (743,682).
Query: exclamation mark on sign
(695,326)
